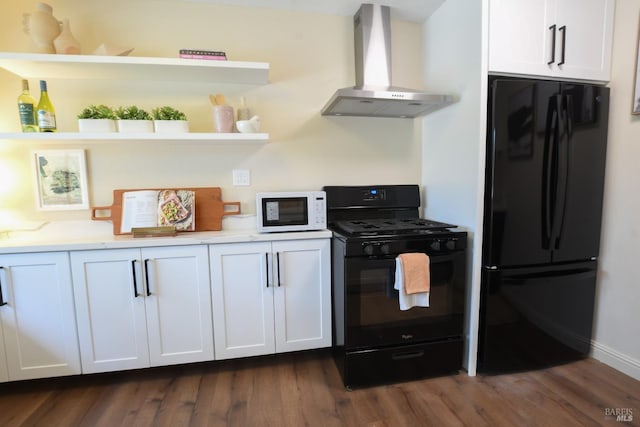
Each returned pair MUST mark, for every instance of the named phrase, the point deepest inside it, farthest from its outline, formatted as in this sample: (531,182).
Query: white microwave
(291,211)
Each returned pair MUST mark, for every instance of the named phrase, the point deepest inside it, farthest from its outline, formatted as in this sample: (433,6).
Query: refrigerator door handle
(563,168)
(550,138)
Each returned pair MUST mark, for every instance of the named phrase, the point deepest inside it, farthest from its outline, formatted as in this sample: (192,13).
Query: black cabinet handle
(563,29)
(135,283)
(146,275)
(278,267)
(553,44)
(266,262)
(2,301)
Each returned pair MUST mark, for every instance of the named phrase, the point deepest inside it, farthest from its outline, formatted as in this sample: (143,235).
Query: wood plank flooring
(305,389)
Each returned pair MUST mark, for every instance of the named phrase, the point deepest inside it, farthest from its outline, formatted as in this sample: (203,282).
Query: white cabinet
(37,316)
(270,297)
(567,39)
(142,307)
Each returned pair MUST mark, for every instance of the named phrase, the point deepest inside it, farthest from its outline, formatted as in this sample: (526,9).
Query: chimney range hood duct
(373,95)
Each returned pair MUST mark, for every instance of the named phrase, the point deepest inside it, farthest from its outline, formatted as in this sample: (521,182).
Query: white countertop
(83,235)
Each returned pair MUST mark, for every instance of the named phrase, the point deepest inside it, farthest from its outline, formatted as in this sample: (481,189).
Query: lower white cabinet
(142,307)
(270,297)
(37,317)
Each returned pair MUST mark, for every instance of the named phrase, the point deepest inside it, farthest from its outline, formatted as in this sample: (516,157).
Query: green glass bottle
(46,112)
(27,109)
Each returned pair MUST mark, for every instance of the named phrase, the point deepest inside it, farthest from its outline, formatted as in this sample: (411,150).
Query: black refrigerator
(545,161)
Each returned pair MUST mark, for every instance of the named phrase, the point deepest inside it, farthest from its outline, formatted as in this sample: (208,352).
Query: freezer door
(534,318)
(581,164)
(522,122)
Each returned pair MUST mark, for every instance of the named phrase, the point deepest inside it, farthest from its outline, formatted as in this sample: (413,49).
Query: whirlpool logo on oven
(407,337)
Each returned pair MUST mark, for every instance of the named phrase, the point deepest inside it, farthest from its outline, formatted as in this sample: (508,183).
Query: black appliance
(545,162)
(374,341)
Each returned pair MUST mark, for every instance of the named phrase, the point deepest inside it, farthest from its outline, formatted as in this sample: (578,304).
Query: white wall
(311,55)
(453,138)
(617,323)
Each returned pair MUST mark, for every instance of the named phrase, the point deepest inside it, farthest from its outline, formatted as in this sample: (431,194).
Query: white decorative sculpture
(65,43)
(43,27)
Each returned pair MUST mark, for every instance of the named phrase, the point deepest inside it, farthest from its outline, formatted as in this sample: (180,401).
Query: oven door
(372,313)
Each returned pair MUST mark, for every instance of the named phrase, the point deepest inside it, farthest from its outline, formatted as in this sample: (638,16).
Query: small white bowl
(248,126)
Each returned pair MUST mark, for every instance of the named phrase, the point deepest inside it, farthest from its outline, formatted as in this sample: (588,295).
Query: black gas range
(375,341)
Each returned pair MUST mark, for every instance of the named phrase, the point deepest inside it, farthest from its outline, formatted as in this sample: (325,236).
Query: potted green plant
(169,120)
(133,119)
(97,118)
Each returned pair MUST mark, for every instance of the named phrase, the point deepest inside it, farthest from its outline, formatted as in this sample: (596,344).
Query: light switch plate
(241,177)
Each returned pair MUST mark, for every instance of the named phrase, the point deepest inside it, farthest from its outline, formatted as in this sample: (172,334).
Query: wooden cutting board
(209,208)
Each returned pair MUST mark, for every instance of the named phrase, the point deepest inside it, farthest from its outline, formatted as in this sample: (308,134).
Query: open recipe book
(153,208)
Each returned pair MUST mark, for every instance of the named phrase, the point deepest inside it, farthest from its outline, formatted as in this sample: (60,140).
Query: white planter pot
(96,125)
(135,126)
(171,126)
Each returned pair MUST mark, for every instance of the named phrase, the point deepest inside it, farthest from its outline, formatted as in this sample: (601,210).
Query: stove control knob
(385,248)
(368,249)
(435,245)
(451,244)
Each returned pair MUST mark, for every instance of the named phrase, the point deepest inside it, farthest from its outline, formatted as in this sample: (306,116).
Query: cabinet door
(519,37)
(587,42)
(242,290)
(179,304)
(110,308)
(302,298)
(567,39)
(38,318)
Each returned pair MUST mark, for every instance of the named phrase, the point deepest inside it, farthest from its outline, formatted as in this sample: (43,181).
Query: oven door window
(373,315)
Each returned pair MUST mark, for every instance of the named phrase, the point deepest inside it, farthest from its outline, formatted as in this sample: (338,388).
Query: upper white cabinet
(270,297)
(565,39)
(37,317)
(142,307)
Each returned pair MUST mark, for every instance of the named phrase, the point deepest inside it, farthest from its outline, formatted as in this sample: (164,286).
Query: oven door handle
(408,355)
(433,258)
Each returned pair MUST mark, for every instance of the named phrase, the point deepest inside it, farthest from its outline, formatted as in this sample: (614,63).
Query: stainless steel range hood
(373,95)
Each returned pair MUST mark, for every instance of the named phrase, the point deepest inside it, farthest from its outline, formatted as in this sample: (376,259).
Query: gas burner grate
(390,226)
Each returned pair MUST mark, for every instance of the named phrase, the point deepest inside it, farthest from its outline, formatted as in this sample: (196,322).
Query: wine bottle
(27,109)
(46,112)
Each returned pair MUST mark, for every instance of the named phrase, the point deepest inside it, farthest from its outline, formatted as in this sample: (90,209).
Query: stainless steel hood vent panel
(373,95)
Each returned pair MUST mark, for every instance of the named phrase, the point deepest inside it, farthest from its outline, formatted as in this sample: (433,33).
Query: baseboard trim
(616,360)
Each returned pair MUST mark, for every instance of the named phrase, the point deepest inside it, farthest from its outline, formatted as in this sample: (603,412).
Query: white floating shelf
(97,67)
(197,137)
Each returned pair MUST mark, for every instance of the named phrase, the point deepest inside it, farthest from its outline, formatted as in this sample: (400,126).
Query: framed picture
(61,180)
(635,109)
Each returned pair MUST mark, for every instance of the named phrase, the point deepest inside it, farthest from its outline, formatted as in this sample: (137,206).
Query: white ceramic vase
(171,126)
(43,27)
(135,126)
(96,125)
(65,43)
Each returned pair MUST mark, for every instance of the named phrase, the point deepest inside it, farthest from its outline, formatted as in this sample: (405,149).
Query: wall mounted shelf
(115,137)
(95,67)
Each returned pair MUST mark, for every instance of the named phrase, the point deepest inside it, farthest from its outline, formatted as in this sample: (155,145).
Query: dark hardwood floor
(304,389)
